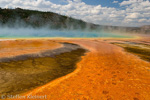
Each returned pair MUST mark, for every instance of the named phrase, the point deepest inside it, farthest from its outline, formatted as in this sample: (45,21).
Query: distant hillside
(140,30)
(25,18)
(31,18)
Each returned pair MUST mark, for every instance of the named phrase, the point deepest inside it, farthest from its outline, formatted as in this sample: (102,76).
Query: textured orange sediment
(106,72)
(12,48)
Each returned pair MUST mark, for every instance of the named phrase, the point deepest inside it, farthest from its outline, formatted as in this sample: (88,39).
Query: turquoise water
(37,33)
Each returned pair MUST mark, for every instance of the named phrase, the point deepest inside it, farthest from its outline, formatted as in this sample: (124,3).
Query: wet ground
(106,72)
(26,72)
(141,48)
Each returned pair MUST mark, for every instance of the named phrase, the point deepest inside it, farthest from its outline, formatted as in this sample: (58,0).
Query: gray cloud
(115,1)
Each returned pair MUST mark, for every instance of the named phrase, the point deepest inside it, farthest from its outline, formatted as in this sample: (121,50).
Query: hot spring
(37,33)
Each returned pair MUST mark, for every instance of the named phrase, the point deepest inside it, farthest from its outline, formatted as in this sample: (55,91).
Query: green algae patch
(23,75)
(142,53)
(139,49)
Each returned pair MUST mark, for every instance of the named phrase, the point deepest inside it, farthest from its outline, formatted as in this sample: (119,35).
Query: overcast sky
(103,12)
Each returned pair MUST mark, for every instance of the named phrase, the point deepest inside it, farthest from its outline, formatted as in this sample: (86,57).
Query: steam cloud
(19,29)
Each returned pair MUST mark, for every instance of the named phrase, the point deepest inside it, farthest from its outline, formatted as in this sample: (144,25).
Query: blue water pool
(30,32)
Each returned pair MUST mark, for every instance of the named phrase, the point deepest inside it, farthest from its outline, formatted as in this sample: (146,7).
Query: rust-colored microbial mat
(12,48)
(106,72)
